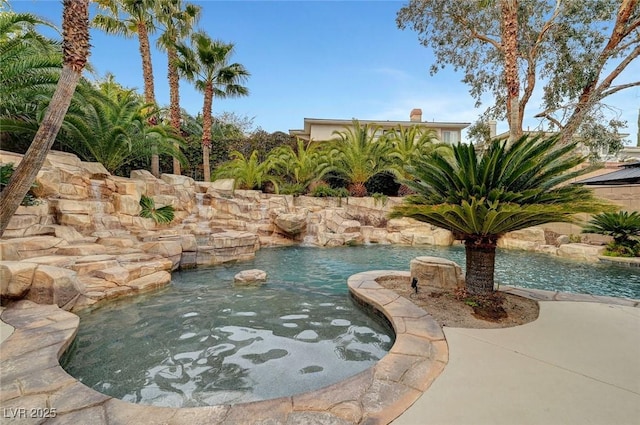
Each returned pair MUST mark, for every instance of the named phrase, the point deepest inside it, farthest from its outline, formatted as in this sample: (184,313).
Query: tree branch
(616,89)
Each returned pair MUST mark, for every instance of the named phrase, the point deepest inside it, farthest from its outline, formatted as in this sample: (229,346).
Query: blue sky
(316,59)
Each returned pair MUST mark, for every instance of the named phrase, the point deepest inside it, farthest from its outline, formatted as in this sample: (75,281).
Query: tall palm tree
(409,144)
(507,188)
(207,63)
(75,50)
(360,154)
(130,18)
(176,20)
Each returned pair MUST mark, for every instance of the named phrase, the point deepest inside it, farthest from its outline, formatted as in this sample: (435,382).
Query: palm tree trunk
(481,258)
(149,90)
(174,99)
(509,30)
(75,47)
(207,122)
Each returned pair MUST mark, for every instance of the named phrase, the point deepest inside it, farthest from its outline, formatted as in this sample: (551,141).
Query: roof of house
(384,123)
(628,174)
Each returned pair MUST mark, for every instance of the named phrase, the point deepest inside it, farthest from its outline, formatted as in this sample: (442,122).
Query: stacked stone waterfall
(86,238)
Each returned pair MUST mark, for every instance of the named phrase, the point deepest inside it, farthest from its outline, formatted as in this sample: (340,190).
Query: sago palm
(480,198)
(622,226)
(207,63)
(360,154)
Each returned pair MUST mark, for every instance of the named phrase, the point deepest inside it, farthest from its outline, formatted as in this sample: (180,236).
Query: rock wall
(88,226)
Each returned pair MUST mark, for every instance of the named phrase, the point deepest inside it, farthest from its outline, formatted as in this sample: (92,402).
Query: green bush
(380,197)
(6,171)
(323,191)
(294,189)
(159,215)
(623,227)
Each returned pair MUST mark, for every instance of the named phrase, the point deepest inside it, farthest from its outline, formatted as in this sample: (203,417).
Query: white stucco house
(321,129)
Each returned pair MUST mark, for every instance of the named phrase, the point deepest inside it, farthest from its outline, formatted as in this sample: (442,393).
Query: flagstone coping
(35,389)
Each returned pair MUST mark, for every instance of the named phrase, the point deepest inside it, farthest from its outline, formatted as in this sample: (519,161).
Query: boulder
(526,239)
(178,180)
(125,186)
(96,169)
(435,272)
(54,285)
(581,251)
(127,204)
(291,224)
(250,277)
(150,282)
(32,246)
(171,249)
(15,279)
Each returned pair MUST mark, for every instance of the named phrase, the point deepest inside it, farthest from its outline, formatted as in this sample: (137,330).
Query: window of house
(450,136)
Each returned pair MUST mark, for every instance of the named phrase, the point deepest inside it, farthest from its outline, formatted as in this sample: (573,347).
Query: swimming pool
(203,341)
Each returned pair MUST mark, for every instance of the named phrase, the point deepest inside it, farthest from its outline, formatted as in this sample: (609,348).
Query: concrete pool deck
(579,362)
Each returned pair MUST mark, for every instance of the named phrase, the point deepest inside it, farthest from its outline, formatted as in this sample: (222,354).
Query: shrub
(323,191)
(623,227)
(6,171)
(159,215)
(294,189)
(380,197)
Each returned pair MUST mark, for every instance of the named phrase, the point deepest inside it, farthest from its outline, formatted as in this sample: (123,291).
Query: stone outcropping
(250,277)
(88,221)
(436,273)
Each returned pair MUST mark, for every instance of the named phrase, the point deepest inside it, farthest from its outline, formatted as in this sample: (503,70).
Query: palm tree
(409,144)
(507,188)
(128,18)
(75,49)
(30,67)
(206,63)
(113,129)
(176,20)
(622,226)
(302,166)
(249,173)
(360,154)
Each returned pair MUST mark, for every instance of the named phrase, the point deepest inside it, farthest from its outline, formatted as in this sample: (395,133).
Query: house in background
(323,129)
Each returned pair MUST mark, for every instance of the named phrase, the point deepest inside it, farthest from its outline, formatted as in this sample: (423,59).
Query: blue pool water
(203,341)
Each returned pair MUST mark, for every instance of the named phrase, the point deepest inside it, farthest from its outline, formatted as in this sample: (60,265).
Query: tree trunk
(481,257)
(149,90)
(75,48)
(207,122)
(509,30)
(174,100)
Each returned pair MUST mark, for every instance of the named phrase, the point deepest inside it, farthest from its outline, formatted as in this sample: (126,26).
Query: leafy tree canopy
(578,49)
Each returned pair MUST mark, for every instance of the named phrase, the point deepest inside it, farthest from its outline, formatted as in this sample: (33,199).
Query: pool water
(203,341)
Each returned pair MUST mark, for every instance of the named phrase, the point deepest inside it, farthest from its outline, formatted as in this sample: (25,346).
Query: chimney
(492,128)
(415,115)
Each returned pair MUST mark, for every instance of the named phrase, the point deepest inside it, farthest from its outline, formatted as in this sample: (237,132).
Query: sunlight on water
(203,341)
